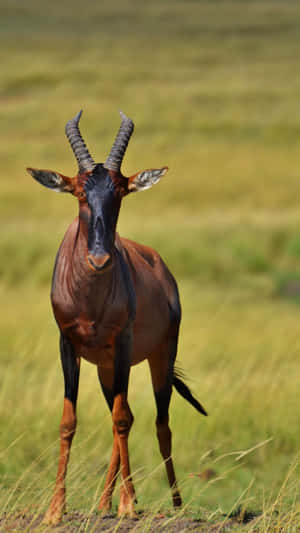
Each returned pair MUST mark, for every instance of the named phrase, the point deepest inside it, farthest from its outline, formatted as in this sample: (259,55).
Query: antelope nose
(98,262)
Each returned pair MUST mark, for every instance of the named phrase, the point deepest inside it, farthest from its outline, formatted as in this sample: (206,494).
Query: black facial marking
(99,173)
(104,204)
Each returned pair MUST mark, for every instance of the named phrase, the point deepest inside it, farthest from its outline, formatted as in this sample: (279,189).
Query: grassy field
(214,90)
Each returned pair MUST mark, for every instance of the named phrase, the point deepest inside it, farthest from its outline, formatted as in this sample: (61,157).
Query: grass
(214,90)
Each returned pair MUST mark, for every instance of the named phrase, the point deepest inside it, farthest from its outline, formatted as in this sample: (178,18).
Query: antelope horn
(84,159)
(115,158)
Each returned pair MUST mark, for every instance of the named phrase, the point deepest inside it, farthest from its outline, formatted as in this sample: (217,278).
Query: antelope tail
(185,392)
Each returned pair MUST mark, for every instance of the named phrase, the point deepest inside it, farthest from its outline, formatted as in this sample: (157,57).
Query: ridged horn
(115,158)
(84,159)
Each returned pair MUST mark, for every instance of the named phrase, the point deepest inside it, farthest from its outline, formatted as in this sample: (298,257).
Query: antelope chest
(93,332)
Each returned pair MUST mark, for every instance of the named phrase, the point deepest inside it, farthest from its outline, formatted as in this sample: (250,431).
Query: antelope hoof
(127,510)
(55,513)
(177,501)
(52,519)
(104,506)
(126,506)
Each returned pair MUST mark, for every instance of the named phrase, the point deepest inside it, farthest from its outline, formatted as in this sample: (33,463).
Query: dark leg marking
(162,368)
(70,369)
(71,366)
(115,391)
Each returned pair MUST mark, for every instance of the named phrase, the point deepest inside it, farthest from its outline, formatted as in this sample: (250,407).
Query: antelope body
(116,304)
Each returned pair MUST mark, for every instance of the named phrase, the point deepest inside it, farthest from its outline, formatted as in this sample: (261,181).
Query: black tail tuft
(185,392)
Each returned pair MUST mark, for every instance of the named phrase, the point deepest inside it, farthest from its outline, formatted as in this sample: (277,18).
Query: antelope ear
(145,179)
(53,180)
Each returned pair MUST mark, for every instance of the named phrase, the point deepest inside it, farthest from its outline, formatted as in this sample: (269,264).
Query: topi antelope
(116,304)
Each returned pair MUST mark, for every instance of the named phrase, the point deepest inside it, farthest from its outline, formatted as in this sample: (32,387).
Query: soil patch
(76,522)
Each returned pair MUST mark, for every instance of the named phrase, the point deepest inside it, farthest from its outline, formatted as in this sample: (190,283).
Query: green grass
(214,90)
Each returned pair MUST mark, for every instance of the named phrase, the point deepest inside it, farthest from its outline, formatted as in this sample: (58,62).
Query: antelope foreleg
(122,422)
(67,431)
(71,367)
(111,478)
(123,419)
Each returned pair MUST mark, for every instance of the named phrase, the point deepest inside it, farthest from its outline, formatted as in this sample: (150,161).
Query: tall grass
(214,90)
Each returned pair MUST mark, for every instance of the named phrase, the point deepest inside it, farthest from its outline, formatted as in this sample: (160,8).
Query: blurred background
(214,90)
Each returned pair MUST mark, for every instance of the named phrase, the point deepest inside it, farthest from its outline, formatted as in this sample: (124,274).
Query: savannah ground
(214,90)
